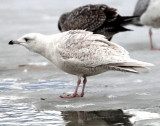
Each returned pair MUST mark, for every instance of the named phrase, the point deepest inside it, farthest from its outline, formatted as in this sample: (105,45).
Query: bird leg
(151,41)
(76,90)
(84,83)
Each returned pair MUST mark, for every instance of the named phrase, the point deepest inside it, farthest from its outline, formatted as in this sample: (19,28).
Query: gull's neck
(47,46)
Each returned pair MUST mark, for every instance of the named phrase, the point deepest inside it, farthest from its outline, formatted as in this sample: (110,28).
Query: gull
(148,12)
(80,53)
(98,18)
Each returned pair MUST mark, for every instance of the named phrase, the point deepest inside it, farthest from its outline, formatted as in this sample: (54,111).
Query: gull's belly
(81,70)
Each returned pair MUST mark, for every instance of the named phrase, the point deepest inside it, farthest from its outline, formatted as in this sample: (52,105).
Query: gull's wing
(141,7)
(89,50)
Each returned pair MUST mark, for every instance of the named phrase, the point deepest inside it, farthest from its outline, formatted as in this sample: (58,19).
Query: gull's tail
(126,20)
(129,66)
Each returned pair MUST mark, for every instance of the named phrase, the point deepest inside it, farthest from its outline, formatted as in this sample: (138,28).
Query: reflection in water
(96,118)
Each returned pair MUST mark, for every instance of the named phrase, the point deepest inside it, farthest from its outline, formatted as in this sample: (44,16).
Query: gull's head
(32,41)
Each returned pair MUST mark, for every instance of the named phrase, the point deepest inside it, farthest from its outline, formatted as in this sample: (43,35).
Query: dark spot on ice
(23,65)
(43,98)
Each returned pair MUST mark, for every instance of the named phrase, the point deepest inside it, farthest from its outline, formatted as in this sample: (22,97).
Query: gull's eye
(26,39)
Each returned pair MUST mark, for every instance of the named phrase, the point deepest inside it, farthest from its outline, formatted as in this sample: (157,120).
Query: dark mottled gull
(98,18)
(81,53)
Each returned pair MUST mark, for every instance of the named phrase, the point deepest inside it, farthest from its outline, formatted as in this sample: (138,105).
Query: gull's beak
(13,42)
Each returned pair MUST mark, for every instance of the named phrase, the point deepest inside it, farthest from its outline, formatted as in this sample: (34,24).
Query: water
(30,86)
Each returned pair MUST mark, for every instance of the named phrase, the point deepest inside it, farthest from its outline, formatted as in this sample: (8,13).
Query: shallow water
(30,85)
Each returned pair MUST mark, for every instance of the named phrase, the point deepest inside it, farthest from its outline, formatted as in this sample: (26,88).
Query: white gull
(81,53)
(149,12)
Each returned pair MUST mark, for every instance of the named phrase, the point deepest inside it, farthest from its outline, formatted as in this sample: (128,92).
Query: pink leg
(84,83)
(151,41)
(76,90)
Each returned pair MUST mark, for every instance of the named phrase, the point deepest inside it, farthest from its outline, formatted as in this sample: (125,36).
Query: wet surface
(30,85)
(94,118)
